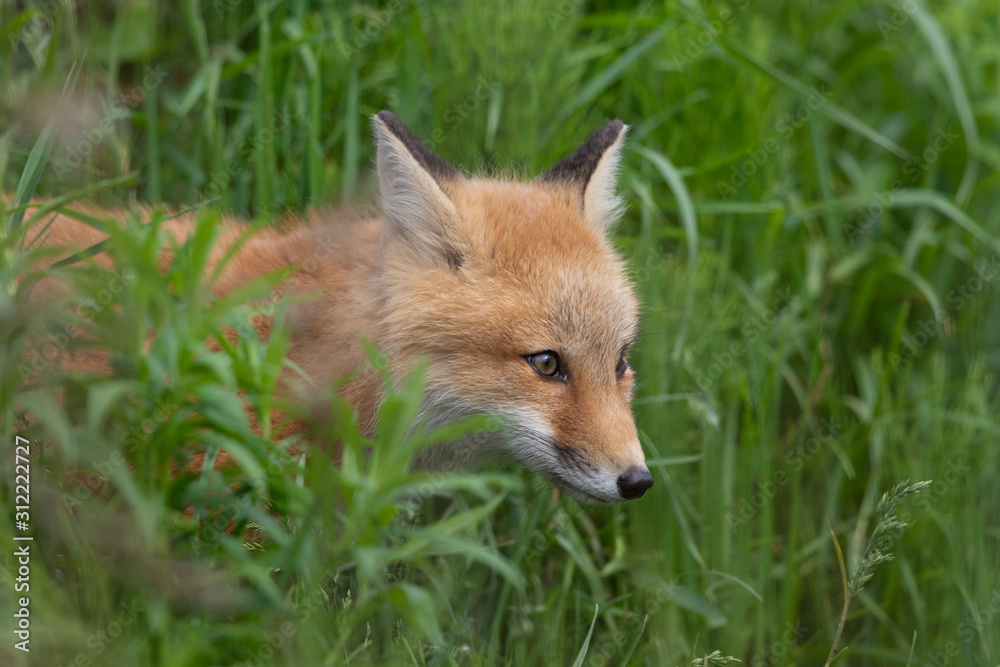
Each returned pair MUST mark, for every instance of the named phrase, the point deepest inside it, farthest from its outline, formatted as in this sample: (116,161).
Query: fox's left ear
(420,217)
(593,169)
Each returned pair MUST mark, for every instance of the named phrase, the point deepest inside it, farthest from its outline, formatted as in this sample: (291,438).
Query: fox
(509,290)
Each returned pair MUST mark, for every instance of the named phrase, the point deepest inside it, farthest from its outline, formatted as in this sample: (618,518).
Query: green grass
(815,234)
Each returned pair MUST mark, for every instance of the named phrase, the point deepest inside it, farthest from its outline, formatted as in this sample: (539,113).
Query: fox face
(515,296)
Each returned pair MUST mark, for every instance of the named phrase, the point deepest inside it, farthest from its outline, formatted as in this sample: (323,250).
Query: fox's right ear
(419,215)
(593,171)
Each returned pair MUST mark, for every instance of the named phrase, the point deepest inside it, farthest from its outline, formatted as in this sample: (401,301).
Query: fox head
(514,294)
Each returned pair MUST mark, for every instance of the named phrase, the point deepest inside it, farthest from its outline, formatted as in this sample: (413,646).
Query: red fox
(511,291)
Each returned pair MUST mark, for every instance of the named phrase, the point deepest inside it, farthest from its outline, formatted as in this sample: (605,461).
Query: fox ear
(593,170)
(419,215)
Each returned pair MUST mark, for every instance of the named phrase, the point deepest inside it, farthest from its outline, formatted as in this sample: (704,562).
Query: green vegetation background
(815,232)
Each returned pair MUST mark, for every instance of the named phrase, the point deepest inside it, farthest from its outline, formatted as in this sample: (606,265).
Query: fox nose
(633,483)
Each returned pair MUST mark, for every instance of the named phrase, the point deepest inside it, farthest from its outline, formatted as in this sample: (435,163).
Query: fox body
(511,292)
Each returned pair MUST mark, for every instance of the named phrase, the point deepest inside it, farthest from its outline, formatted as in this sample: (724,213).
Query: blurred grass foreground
(814,228)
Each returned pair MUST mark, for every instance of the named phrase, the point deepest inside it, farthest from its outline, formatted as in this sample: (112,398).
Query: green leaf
(699,604)
(586,642)
(39,155)
(417,608)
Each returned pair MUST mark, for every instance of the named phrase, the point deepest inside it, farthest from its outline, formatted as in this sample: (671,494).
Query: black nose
(633,483)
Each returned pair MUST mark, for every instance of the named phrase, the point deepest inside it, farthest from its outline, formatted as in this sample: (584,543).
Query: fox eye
(622,367)
(546,363)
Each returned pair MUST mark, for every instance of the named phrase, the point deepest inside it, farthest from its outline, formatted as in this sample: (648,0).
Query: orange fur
(474,275)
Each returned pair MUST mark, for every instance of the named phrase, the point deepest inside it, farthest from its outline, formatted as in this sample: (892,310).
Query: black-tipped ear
(420,218)
(580,165)
(593,168)
(432,163)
